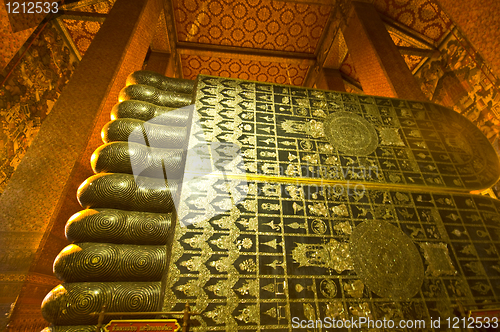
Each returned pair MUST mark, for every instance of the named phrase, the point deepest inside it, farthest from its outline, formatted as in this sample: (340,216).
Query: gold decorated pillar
(330,79)
(161,63)
(381,68)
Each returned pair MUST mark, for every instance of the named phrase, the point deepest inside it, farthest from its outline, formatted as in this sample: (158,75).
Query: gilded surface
(71,303)
(254,247)
(306,133)
(386,260)
(261,237)
(351,134)
(380,254)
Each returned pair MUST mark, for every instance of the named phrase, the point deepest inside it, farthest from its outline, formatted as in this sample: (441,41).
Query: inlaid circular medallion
(351,133)
(328,288)
(386,260)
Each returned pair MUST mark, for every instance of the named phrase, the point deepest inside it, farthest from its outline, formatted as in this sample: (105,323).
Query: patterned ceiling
(286,26)
(253,26)
(421,16)
(412,61)
(82,32)
(272,25)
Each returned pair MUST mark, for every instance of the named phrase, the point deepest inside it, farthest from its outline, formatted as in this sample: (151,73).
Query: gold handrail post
(185,322)
(101,318)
